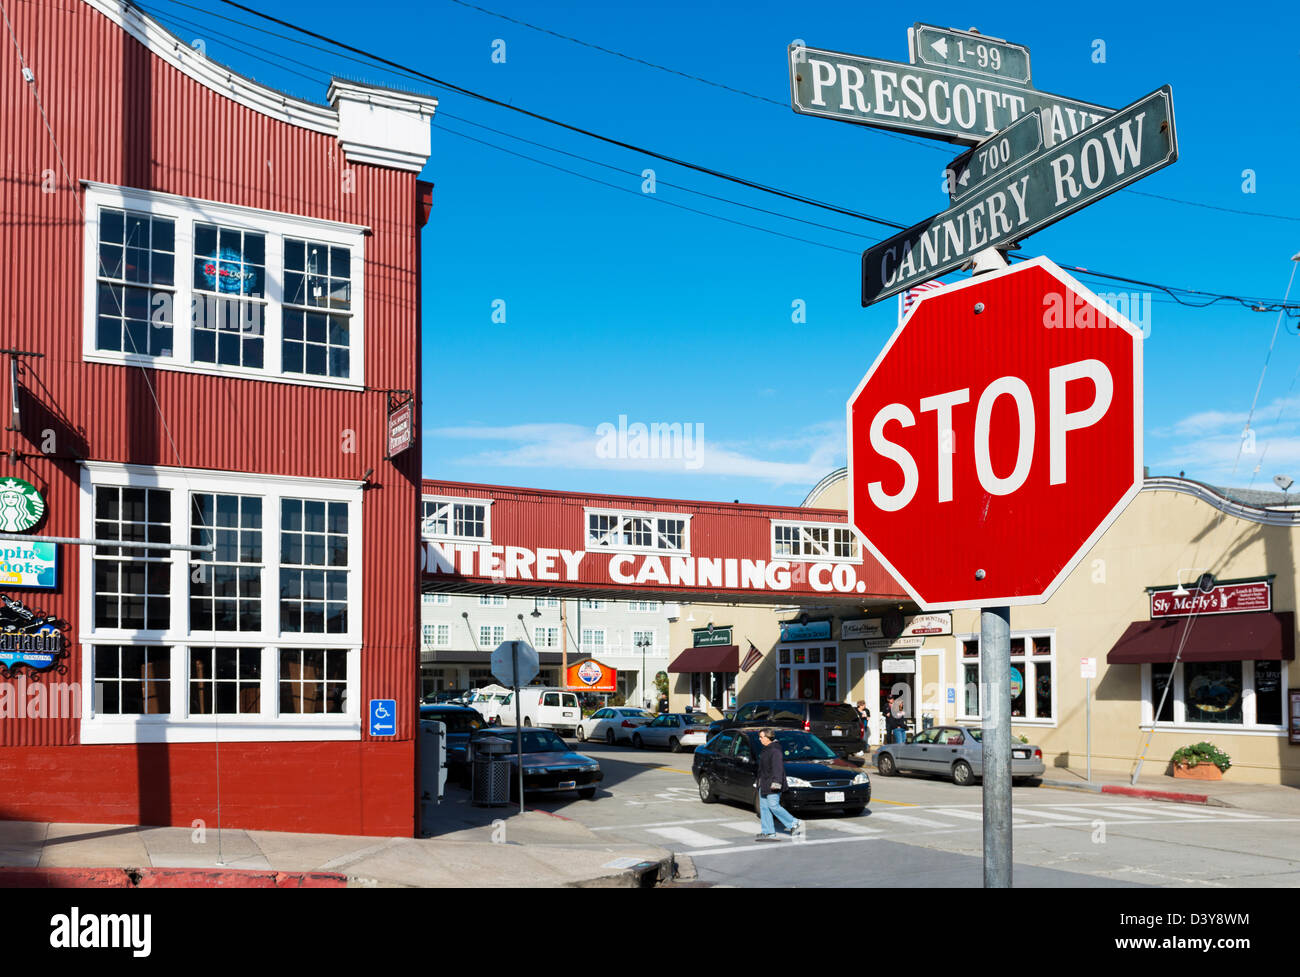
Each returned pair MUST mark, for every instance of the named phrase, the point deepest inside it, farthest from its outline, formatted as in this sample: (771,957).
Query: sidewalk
(1265,798)
(531,850)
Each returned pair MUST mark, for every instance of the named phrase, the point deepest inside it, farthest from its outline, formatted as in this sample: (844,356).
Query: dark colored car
(461,722)
(549,765)
(836,724)
(726,768)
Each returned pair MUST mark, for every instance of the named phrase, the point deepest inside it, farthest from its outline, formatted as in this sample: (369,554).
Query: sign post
(995,665)
(514,663)
(1088,671)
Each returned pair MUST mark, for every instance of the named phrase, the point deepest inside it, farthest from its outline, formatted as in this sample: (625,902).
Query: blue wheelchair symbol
(383,717)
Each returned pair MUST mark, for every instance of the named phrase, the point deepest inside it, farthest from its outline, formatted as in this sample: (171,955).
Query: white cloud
(1214,448)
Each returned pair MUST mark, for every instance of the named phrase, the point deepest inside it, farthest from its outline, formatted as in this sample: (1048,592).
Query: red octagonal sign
(996,437)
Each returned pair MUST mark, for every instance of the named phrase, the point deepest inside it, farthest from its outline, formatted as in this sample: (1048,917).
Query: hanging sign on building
(898,666)
(711,637)
(401,428)
(812,631)
(21,506)
(914,625)
(1228,598)
(29,637)
(28,565)
(590,675)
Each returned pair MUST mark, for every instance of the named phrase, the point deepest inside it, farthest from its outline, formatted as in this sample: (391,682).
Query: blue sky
(620,305)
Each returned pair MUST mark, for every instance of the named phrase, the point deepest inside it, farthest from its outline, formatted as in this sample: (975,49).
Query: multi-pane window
(229,296)
(313,566)
(427,631)
(643,606)
(226,585)
(313,680)
(548,601)
(317,308)
(643,638)
(132,680)
(1246,693)
(226,681)
(491,600)
(816,542)
(491,635)
(546,637)
(436,635)
(613,530)
(135,277)
(132,586)
(437,598)
(593,641)
(1033,659)
(450,519)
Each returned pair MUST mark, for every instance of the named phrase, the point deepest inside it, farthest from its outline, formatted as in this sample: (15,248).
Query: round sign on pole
(21,506)
(503,663)
(996,437)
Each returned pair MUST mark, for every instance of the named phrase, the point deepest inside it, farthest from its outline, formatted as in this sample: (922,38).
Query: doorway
(808,683)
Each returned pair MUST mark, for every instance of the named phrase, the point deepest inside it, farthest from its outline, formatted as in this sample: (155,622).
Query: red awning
(1262,636)
(720,658)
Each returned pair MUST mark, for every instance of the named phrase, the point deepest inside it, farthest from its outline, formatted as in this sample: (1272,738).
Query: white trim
(592,545)
(114,469)
(1266,517)
(276,226)
(485,539)
(815,558)
(1249,725)
(1028,657)
(941,602)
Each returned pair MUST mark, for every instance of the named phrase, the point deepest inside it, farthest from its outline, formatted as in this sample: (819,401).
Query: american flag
(910,297)
(751,659)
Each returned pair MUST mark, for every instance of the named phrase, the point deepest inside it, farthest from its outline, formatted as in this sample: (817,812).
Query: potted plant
(1201,761)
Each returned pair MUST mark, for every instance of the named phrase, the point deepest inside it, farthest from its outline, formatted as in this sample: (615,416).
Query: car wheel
(587,793)
(962,774)
(636,741)
(582,735)
(708,792)
(609,737)
(885,765)
(674,744)
(854,812)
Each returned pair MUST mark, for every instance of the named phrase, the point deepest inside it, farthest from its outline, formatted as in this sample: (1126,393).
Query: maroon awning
(720,658)
(1210,638)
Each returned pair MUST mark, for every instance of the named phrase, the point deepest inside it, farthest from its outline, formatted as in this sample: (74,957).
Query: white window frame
(644,606)
(485,539)
(596,545)
(552,636)
(178,726)
(583,642)
(1024,661)
(790,666)
(805,540)
(595,604)
(1249,725)
(492,642)
(186,212)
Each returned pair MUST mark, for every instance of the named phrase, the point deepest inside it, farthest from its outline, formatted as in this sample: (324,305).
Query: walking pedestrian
(771,781)
(897,719)
(864,714)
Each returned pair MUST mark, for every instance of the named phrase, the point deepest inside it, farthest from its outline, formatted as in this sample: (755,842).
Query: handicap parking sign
(383,717)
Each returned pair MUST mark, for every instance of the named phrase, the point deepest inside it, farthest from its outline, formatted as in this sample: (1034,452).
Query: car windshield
(535,741)
(976,735)
(636,712)
(798,745)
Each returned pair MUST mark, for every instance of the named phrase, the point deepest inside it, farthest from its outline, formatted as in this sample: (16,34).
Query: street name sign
(1053,183)
(967,51)
(983,164)
(923,101)
(1017,446)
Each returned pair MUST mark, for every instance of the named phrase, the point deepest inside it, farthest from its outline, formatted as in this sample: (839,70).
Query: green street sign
(1053,183)
(940,104)
(983,164)
(968,52)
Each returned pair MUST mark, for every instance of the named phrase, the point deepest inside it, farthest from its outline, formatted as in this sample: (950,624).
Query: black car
(549,765)
(836,724)
(461,722)
(726,768)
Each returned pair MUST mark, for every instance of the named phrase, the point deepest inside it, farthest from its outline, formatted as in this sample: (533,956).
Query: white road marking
(786,844)
(686,836)
(908,819)
(1186,811)
(1038,812)
(743,827)
(657,824)
(953,813)
(848,827)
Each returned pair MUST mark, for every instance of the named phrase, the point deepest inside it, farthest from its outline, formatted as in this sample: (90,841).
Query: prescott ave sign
(1028,196)
(993,441)
(941,103)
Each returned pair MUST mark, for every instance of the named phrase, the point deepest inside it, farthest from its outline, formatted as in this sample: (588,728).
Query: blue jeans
(900,734)
(768,805)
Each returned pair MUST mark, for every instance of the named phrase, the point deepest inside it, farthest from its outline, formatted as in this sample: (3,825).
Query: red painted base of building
(355,788)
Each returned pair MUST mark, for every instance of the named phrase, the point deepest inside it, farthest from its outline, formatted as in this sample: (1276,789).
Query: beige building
(1130,605)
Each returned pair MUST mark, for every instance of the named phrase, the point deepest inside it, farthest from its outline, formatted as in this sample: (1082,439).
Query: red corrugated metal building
(222,286)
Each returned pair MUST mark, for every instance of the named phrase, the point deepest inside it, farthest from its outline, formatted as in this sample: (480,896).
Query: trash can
(491,772)
(927,721)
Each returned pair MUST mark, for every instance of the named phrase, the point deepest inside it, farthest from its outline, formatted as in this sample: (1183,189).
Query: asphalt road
(921,831)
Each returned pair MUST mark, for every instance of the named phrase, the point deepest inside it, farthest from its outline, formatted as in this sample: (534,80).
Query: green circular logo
(21,506)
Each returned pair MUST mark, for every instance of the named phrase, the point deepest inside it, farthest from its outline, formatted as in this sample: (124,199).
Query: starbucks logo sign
(21,506)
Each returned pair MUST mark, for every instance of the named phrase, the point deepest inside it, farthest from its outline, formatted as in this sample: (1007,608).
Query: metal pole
(123,543)
(519,733)
(995,664)
(1088,694)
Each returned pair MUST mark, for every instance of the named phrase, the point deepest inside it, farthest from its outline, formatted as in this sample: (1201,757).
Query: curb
(646,875)
(165,878)
(1175,797)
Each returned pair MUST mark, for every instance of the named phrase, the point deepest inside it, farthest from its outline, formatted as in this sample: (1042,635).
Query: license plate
(835,797)
(568,784)
(568,715)
(1020,754)
(837,732)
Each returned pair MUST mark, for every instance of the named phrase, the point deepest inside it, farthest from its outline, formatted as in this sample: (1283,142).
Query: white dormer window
(621,531)
(828,542)
(466,520)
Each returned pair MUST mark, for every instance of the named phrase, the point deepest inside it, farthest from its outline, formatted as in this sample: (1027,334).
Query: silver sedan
(675,731)
(956,752)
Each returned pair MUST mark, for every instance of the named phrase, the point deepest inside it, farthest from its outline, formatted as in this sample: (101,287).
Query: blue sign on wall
(33,565)
(383,717)
(812,631)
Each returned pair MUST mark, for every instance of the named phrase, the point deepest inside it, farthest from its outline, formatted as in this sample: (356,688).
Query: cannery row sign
(1230,598)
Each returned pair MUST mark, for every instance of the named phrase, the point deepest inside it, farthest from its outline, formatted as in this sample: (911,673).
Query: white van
(549,708)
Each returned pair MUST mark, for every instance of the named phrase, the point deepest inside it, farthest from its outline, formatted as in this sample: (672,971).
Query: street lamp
(643,643)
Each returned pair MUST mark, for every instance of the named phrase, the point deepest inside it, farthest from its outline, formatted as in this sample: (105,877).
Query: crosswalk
(702,837)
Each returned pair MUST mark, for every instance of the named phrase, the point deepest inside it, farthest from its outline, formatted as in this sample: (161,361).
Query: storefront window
(1268,693)
(1032,671)
(1212,692)
(1160,679)
(783,676)
(971,682)
(1043,687)
(831,679)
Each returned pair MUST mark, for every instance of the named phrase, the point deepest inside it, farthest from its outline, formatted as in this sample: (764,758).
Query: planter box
(1202,771)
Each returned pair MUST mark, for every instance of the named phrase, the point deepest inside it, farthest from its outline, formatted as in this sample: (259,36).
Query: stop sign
(996,437)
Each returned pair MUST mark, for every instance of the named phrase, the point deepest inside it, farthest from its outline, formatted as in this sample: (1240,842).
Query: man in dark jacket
(771,781)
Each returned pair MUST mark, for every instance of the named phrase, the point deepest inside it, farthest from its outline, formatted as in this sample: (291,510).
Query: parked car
(674,731)
(453,696)
(837,724)
(545,708)
(549,765)
(726,767)
(613,723)
(491,701)
(955,752)
(461,722)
